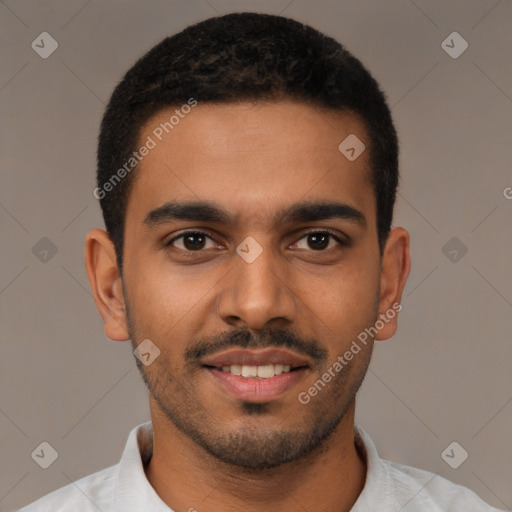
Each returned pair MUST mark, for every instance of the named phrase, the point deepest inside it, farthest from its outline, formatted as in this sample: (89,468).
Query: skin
(212,451)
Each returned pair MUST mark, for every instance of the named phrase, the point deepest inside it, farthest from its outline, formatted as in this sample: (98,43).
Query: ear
(395,268)
(106,284)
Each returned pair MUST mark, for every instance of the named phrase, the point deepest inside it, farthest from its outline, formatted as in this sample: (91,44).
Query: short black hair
(242,57)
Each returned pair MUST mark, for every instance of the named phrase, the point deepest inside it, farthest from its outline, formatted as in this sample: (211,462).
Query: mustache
(243,338)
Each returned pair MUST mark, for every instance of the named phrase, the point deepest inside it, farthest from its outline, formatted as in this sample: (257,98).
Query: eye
(196,241)
(193,241)
(320,240)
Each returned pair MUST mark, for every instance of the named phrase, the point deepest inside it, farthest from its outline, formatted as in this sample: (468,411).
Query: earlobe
(395,268)
(106,284)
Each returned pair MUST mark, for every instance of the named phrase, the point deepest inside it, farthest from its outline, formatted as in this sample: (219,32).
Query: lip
(256,357)
(257,390)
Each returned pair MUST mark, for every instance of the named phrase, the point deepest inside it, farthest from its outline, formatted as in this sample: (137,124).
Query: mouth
(256,375)
(266,371)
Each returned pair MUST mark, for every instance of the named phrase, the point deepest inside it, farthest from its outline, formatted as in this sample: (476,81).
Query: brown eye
(319,241)
(193,241)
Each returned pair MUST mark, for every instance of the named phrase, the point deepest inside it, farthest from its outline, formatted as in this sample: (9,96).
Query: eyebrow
(205,211)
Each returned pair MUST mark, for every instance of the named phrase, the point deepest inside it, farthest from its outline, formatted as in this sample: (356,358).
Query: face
(251,247)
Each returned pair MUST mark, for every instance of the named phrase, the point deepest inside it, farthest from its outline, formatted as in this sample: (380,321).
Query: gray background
(444,377)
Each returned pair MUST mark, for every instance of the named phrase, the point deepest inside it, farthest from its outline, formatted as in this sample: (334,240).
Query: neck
(186,477)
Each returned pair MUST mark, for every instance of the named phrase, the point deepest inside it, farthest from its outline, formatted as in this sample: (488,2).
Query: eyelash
(331,233)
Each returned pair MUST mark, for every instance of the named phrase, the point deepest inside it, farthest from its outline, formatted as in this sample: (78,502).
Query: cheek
(167,304)
(163,303)
(348,298)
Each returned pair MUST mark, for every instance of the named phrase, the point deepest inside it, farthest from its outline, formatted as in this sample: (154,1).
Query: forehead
(251,157)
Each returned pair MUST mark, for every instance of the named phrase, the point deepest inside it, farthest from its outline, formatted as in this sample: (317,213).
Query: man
(247,171)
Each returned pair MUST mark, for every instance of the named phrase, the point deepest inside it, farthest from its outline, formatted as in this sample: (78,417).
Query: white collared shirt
(389,487)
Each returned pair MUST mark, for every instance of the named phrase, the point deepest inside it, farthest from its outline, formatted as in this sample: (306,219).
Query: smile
(258,372)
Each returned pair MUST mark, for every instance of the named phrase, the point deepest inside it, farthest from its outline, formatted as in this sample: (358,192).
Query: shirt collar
(134,493)
(376,483)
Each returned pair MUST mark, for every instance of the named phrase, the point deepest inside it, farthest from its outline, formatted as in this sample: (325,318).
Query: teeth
(235,369)
(249,371)
(262,372)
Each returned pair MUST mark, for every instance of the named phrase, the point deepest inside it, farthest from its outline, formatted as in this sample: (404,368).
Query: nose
(257,295)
